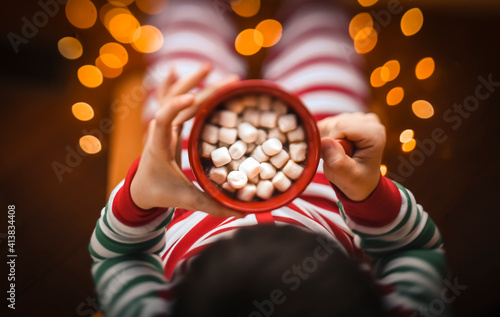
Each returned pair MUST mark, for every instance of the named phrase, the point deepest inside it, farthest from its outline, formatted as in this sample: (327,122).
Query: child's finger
(201,97)
(166,85)
(186,83)
(336,162)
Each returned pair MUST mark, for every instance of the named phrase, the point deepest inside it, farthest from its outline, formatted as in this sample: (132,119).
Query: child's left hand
(159,181)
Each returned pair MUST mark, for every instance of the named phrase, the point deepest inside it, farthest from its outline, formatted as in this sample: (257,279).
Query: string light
(367,3)
(82,111)
(147,39)
(361,21)
(376,78)
(113,55)
(422,109)
(365,40)
(390,70)
(90,76)
(271,31)
(395,96)
(81,13)
(249,42)
(425,68)
(245,8)
(383,170)
(412,21)
(108,72)
(123,27)
(70,48)
(409,146)
(406,136)
(90,144)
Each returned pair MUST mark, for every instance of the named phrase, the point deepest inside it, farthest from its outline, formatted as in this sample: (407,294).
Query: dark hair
(269,270)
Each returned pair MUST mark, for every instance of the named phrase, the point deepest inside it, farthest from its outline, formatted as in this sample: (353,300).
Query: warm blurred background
(435,74)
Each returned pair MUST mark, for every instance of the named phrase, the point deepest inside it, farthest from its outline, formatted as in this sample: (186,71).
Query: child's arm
(389,225)
(130,234)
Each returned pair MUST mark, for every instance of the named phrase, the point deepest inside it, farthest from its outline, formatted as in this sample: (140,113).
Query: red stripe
(321,116)
(341,236)
(289,221)
(316,32)
(334,88)
(316,60)
(194,234)
(321,203)
(264,217)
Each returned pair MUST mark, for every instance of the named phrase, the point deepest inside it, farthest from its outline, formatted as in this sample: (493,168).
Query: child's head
(268,270)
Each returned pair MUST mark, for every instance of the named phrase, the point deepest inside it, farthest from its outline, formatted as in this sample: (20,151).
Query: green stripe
(434,258)
(108,264)
(125,248)
(94,254)
(131,284)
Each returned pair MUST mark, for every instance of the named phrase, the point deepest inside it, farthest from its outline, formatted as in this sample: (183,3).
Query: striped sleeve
(404,243)
(125,246)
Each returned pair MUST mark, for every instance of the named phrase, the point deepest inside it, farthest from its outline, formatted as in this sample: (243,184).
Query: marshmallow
(261,137)
(279,107)
(250,147)
(292,169)
(259,154)
(264,101)
(280,159)
(250,167)
(298,151)
(272,146)
(281,182)
(268,119)
(237,179)
(296,135)
(251,115)
(265,189)
(247,132)
(235,164)
(247,193)
(228,187)
(221,156)
(207,149)
(237,150)
(210,134)
(227,135)
(218,174)
(276,133)
(235,105)
(287,122)
(267,171)
(254,180)
(227,118)
(250,100)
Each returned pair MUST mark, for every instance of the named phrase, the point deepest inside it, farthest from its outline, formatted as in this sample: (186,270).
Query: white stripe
(135,292)
(321,190)
(315,47)
(325,74)
(154,307)
(100,249)
(412,262)
(397,300)
(414,277)
(112,271)
(324,102)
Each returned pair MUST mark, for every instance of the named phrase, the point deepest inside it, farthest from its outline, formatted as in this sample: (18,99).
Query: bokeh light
(367,3)
(90,144)
(248,42)
(425,68)
(147,39)
(108,72)
(406,135)
(359,22)
(412,21)
(245,8)
(82,111)
(383,169)
(90,76)
(81,13)
(422,109)
(70,48)
(365,40)
(123,27)
(121,3)
(108,13)
(151,6)
(113,55)
(390,70)
(395,96)
(409,146)
(376,78)
(271,30)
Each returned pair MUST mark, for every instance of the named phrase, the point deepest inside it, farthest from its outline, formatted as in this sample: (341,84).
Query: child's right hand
(355,176)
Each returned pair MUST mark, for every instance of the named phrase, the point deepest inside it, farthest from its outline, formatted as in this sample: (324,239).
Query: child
(163,247)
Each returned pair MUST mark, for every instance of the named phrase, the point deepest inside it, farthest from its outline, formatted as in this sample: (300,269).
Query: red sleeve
(378,209)
(124,208)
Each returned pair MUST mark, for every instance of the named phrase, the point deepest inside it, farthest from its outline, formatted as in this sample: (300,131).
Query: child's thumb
(332,152)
